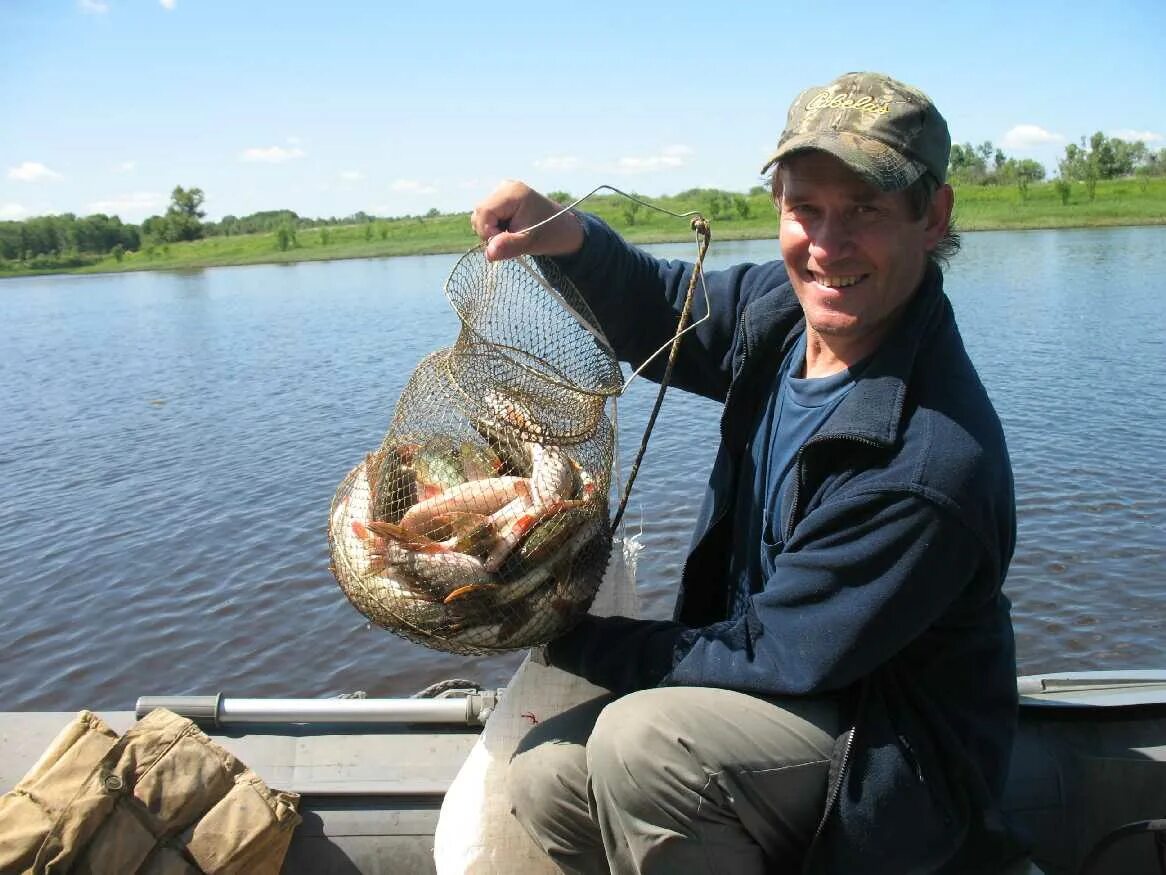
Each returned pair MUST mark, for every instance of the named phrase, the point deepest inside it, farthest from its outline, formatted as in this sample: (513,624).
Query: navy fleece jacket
(897,537)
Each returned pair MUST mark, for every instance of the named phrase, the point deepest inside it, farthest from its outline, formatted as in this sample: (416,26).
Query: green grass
(1117,202)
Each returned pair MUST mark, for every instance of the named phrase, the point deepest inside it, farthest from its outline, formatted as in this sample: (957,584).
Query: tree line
(70,241)
(1092,159)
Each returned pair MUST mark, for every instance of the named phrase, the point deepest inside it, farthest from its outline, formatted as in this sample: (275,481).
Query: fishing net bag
(481,522)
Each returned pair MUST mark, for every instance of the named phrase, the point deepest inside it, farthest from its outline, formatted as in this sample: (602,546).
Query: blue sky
(393,108)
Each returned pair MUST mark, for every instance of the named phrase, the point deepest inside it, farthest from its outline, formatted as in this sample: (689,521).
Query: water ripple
(169,446)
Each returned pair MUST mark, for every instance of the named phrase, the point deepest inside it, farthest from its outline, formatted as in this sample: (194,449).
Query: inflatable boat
(1087,785)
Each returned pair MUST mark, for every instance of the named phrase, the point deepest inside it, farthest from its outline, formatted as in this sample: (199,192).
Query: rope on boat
(441,688)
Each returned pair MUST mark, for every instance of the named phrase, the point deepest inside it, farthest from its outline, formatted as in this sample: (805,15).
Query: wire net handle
(697,220)
(704,235)
(700,226)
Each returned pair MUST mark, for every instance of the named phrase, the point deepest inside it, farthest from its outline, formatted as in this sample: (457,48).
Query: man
(837,691)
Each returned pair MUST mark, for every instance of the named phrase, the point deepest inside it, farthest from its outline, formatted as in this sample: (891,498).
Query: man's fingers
(486,223)
(507,245)
(513,207)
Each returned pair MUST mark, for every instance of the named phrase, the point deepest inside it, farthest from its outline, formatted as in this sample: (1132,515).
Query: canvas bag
(476,833)
(163,799)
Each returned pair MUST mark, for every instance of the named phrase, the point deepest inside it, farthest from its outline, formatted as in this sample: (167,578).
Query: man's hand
(503,217)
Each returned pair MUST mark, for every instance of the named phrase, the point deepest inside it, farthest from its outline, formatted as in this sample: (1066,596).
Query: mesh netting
(481,523)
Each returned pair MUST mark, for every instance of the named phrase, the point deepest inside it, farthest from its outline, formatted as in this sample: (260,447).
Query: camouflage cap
(887,132)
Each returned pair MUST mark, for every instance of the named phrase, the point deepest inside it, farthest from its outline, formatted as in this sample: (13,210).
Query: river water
(170,442)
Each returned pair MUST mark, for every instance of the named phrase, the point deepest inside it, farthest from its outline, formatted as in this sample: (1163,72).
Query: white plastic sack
(476,833)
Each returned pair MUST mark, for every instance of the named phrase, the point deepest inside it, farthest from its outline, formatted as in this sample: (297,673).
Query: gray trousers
(676,780)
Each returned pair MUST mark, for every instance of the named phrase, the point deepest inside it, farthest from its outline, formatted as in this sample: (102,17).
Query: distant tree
(432,213)
(118,252)
(154,228)
(184,216)
(741,205)
(631,209)
(1080,164)
(1063,184)
(967,165)
(1101,150)
(561,197)
(1090,166)
(325,236)
(368,231)
(383,230)
(1156,162)
(1022,172)
(985,151)
(1130,156)
(285,237)
(716,205)
(187,201)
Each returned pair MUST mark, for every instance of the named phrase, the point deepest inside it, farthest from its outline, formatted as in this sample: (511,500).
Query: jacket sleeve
(638,299)
(860,579)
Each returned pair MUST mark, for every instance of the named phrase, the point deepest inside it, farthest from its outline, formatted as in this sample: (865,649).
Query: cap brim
(873,160)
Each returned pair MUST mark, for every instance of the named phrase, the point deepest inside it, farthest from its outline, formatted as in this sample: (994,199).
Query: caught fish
(405,538)
(437,467)
(515,529)
(512,453)
(552,474)
(352,509)
(505,412)
(479,461)
(476,496)
(529,616)
(550,533)
(392,484)
(531,580)
(435,575)
(471,533)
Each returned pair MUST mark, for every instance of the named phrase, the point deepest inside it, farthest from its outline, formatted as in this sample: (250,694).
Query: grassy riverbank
(733,216)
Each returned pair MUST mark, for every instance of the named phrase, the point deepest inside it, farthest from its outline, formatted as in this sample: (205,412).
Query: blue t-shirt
(796,409)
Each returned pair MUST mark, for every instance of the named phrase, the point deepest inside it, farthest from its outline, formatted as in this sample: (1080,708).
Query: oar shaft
(221,711)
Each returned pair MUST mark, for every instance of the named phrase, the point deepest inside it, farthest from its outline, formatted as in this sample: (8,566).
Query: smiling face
(855,255)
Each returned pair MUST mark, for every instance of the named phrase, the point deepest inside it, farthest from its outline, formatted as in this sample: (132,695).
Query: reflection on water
(169,444)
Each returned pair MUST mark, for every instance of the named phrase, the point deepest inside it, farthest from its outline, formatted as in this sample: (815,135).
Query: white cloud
(126,167)
(12,211)
(1137,136)
(32,171)
(351,175)
(167,4)
(93,7)
(412,186)
(668,158)
(140,203)
(271,154)
(1027,136)
(557,162)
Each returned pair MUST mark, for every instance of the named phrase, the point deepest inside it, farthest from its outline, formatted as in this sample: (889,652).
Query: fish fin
(416,542)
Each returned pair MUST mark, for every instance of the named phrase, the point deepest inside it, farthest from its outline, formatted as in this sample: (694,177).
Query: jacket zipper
(835,788)
(817,439)
(744,355)
(728,394)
